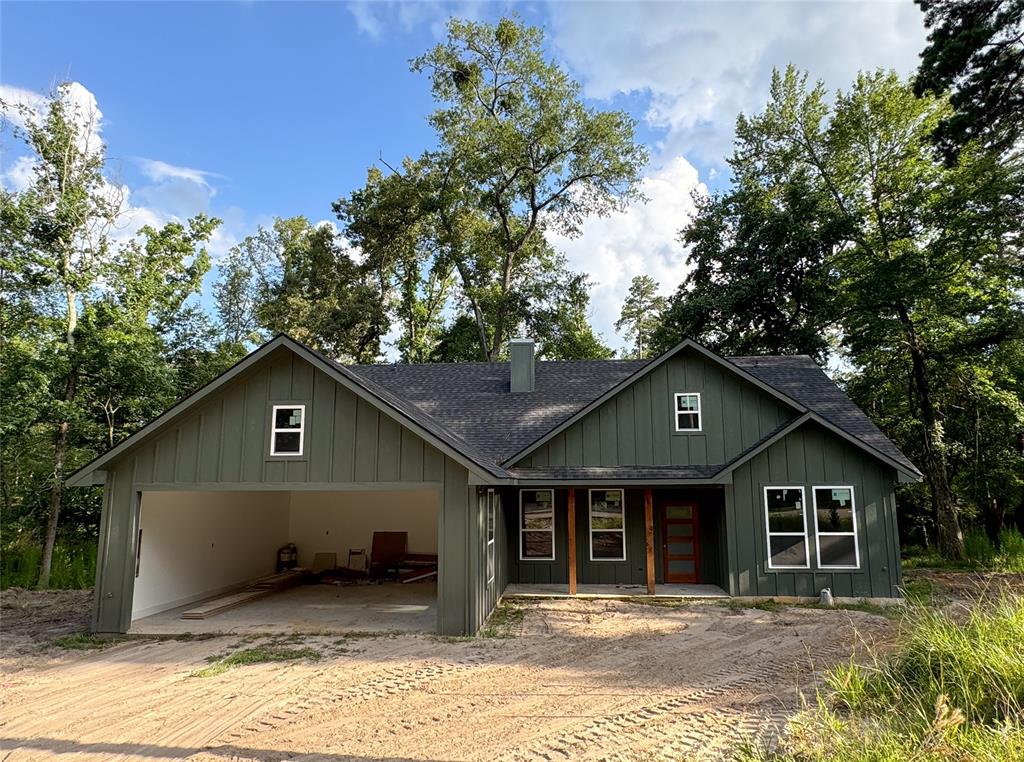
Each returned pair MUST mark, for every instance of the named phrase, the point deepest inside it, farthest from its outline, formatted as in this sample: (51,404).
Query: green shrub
(979,554)
(73,566)
(952,689)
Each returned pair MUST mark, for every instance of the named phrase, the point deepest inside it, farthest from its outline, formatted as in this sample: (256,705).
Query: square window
(287,430)
(687,411)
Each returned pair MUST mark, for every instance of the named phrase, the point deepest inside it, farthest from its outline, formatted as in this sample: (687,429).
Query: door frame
(664,520)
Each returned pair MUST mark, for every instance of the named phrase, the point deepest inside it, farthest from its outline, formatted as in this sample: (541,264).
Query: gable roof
(383,399)
(467,411)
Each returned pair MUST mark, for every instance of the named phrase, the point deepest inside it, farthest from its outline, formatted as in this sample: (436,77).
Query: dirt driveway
(578,679)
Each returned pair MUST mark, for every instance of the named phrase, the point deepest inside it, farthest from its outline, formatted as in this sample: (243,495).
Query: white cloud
(159,171)
(701,64)
(374,18)
(643,239)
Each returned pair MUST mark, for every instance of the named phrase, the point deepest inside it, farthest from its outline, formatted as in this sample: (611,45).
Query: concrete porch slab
(615,591)
(312,609)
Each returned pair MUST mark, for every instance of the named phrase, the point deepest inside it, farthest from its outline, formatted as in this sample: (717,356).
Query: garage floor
(313,609)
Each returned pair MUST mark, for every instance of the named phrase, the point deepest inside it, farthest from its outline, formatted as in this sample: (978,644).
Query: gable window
(787,528)
(537,525)
(687,411)
(607,525)
(835,528)
(287,430)
(492,509)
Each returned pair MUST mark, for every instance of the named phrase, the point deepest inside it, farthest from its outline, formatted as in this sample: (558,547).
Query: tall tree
(921,260)
(302,279)
(641,314)
(760,281)
(518,155)
(976,52)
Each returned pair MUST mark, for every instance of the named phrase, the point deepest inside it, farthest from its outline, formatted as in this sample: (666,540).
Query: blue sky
(250,110)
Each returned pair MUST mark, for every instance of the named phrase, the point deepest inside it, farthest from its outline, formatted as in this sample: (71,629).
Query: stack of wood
(262,587)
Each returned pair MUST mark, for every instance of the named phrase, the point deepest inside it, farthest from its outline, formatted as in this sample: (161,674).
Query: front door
(680,554)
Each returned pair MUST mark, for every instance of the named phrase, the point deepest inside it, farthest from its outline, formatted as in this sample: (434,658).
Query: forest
(876,228)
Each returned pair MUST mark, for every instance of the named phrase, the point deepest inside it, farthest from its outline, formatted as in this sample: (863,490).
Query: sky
(253,110)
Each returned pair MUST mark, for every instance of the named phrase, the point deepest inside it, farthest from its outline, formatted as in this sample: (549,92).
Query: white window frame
(274,431)
(818,533)
(676,412)
(552,530)
(768,534)
(590,522)
(490,531)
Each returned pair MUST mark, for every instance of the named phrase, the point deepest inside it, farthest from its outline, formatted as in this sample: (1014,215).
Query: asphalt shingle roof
(472,403)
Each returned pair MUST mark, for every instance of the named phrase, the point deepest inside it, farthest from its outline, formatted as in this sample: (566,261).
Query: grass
(86,641)
(980,554)
(261,654)
(73,567)
(505,621)
(953,689)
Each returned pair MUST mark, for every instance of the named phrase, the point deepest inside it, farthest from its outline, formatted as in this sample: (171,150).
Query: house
(751,476)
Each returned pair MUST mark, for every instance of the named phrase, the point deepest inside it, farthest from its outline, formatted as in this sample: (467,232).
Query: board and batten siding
(807,457)
(637,425)
(224,443)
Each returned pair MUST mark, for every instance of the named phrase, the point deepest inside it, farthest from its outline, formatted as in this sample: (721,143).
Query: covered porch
(666,540)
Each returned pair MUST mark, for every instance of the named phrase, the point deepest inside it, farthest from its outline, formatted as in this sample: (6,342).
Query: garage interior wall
(334,522)
(196,545)
(200,544)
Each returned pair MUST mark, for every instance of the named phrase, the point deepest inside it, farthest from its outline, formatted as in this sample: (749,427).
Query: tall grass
(952,689)
(979,554)
(74,565)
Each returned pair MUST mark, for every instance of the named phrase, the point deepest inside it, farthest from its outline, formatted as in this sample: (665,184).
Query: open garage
(362,559)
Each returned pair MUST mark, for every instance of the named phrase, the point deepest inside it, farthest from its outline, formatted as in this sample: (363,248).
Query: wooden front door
(679,549)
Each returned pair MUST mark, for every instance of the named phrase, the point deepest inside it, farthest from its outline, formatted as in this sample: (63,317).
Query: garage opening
(221,554)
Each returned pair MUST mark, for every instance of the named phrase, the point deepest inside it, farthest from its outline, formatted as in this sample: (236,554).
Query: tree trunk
(60,447)
(951,540)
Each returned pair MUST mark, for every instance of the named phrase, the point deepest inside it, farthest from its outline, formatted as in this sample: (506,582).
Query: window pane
(835,510)
(491,511)
(788,551)
(680,511)
(785,510)
(538,512)
(688,421)
(286,442)
(607,544)
(288,418)
(537,544)
(837,550)
(685,402)
(680,530)
(676,548)
(606,510)
(682,567)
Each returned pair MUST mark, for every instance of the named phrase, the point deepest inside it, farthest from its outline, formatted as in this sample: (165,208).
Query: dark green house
(687,474)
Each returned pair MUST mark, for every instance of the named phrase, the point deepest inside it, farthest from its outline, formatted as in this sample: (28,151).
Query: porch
(617,541)
(517,590)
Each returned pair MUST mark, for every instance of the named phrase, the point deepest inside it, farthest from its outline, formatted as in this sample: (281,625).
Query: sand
(579,680)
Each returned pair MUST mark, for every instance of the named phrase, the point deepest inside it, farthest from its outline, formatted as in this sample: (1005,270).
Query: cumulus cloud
(643,239)
(700,64)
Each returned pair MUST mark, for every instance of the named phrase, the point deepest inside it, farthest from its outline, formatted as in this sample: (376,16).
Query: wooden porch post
(649,537)
(572,541)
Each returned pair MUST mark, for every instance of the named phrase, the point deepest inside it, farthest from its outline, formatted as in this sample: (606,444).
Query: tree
(922,260)
(976,52)
(641,314)
(760,282)
(518,155)
(302,279)
(564,331)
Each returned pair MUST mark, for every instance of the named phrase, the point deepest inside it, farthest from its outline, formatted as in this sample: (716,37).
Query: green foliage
(642,314)
(74,564)
(86,641)
(980,554)
(518,155)
(505,621)
(976,51)
(952,689)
